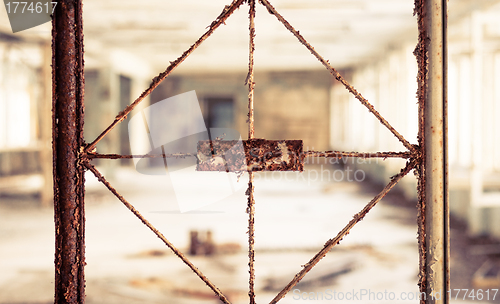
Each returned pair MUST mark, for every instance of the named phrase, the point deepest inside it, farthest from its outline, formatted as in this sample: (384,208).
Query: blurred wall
(389,84)
(25,119)
(288,105)
(474,125)
(112,82)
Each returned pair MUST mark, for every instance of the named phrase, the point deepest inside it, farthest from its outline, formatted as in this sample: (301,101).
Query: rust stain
(251,134)
(257,155)
(250,77)
(119,156)
(421,54)
(251,238)
(340,154)
(265,155)
(67,123)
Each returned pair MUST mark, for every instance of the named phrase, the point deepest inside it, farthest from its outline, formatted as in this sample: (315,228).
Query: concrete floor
(294,218)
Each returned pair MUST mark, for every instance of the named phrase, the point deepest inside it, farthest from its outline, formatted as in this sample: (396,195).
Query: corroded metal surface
(121,156)
(420,53)
(254,155)
(340,154)
(251,238)
(69,213)
(434,161)
(251,134)
(250,77)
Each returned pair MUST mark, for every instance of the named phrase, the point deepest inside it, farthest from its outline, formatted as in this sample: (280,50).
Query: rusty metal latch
(250,155)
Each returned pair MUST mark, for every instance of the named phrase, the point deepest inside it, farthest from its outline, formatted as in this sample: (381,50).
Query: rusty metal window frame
(72,156)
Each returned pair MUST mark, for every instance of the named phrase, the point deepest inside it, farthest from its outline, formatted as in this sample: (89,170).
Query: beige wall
(294,105)
(288,105)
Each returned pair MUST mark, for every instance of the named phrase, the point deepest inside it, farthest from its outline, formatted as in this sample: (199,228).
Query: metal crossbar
(70,283)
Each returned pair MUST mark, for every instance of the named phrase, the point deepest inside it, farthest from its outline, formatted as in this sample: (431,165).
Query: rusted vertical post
(435,162)
(67,107)
(251,134)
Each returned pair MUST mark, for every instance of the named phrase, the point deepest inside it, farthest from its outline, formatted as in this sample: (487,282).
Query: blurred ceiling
(343,31)
(346,32)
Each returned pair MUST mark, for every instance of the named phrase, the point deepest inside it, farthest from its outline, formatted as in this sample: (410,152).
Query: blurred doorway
(218,112)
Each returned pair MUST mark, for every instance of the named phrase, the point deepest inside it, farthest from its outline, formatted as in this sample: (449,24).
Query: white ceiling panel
(346,32)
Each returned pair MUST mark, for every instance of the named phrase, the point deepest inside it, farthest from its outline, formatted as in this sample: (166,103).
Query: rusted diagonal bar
(251,134)
(228,10)
(67,134)
(119,156)
(176,251)
(338,154)
(332,242)
(337,75)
